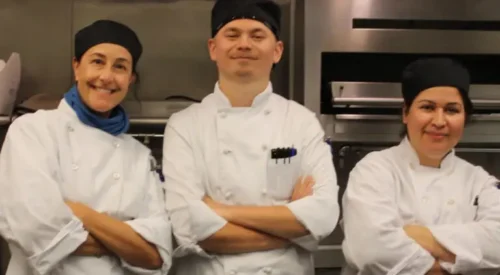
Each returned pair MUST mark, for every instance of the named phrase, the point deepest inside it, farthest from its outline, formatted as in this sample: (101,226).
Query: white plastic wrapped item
(10,78)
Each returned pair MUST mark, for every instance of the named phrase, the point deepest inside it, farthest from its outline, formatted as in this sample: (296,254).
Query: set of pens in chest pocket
(285,154)
(282,171)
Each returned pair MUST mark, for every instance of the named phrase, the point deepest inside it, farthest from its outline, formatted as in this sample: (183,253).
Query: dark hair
(135,86)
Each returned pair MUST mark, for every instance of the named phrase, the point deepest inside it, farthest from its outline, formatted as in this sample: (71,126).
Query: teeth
(102,90)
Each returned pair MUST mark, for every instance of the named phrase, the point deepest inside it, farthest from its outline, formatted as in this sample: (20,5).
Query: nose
(439,119)
(106,75)
(244,43)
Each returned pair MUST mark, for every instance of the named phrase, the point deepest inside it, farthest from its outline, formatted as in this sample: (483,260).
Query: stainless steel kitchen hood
(356,95)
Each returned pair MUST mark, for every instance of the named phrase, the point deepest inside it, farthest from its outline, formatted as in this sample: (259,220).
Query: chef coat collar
(222,102)
(64,106)
(410,156)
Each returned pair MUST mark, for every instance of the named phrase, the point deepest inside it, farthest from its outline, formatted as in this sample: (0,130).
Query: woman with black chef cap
(79,195)
(417,208)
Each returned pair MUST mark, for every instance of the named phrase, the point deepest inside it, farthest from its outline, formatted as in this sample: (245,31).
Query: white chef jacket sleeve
(319,212)
(192,220)
(153,225)
(33,215)
(475,244)
(375,241)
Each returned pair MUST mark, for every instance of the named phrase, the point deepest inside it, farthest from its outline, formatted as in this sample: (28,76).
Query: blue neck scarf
(116,124)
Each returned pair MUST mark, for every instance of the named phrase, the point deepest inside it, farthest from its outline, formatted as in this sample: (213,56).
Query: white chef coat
(49,157)
(212,148)
(389,189)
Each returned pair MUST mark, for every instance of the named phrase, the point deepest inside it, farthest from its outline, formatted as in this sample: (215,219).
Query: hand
(99,248)
(303,188)
(217,207)
(92,247)
(437,270)
(79,209)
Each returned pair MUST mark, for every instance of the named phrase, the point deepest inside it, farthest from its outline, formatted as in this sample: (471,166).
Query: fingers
(308,185)
(310,181)
(304,180)
(303,187)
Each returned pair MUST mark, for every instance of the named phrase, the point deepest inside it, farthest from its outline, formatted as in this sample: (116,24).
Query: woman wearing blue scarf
(78,195)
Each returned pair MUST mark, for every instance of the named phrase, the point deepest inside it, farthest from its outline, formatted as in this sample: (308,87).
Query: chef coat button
(267,270)
(74,166)
(232,272)
(116,176)
(425,199)
(226,152)
(116,144)
(70,129)
(451,202)
(223,115)
(264,191)
(264,147)
(267,112)
(227,195)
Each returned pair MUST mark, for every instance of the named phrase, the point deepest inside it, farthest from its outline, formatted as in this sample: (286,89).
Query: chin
(244,73)
(438,152)
(101,107)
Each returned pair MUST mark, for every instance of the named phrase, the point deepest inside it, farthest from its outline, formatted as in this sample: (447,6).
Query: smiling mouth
(102,90)
(244,58)
(436,134)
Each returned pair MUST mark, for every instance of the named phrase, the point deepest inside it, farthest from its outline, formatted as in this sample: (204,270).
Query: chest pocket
(458,211)
(282,174)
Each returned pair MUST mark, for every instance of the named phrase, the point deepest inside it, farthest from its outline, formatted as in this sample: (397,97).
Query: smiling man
(250,183)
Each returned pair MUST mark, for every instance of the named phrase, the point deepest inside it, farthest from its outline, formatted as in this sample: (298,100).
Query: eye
(427,107)
(120,67)
(97,61)
(452,110)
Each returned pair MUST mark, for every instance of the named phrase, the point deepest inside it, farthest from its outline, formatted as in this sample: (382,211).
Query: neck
(430,162)
(425,159)
(103,115)
(242,93)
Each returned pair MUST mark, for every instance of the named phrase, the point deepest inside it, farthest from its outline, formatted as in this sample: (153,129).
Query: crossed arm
(423,236)
(112,236)
(256,228)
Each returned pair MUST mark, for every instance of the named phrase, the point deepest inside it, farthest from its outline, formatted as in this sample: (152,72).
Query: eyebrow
(254,30)
(120,59)
(430,101)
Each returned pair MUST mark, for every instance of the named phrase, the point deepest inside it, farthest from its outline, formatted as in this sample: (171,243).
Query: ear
(278,51)
(211,49)
(133,78)
(75,64)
